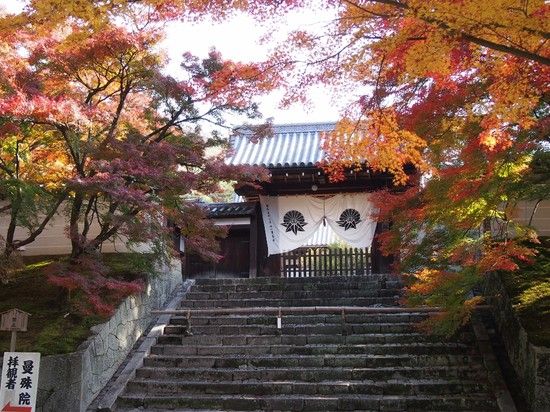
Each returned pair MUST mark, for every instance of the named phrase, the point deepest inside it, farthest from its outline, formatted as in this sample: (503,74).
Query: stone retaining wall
(70,382)
(531,363)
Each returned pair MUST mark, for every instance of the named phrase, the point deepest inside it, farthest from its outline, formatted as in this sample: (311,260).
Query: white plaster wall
(54,241)
(541,218)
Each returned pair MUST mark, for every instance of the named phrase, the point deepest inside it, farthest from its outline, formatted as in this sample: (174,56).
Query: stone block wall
(70,382)
(531,363)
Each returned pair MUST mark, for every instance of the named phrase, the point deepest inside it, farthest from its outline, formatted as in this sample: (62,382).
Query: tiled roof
(230,209)
(295,145)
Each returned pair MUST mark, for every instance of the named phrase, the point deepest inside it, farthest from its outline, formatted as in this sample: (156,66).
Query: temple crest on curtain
(291,220)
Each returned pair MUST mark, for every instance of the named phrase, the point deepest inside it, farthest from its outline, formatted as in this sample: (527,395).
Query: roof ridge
(227,203)
(304,124)
(303,127)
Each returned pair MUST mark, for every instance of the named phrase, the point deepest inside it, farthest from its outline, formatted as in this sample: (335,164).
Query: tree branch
(515,51)
(506,49)
(34,234)
(535,208)
(87,219)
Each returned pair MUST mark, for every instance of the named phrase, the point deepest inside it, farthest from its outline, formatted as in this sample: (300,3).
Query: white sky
(239,39)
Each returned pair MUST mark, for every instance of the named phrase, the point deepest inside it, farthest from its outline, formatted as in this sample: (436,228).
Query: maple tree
(457,89)
(460,90)
(31,167)
(109,138)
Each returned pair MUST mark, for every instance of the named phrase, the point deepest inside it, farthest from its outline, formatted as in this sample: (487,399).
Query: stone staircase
(315,362)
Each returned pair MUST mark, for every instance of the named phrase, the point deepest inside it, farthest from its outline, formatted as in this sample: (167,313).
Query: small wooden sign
(14,320)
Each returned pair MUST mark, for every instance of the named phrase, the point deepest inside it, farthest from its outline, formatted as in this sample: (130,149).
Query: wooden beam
(290,310)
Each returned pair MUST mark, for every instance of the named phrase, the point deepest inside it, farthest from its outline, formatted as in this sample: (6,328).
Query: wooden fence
(324,261)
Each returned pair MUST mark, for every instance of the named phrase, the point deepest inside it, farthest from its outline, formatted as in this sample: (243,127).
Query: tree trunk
(10,234)
(76,241)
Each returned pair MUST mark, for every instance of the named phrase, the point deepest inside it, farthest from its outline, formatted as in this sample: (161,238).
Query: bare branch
(34,234)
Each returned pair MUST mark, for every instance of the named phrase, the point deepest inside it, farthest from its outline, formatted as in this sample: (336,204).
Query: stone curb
(504,399)
(106,401)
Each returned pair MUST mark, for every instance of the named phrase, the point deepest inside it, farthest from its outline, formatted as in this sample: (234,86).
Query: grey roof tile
(293,145)
(230,209)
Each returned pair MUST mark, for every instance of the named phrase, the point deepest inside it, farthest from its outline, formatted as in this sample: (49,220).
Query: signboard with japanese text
(19,381)
(14,320)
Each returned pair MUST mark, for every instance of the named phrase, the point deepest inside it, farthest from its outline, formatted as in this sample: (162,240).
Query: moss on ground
(529,289)
(53,328)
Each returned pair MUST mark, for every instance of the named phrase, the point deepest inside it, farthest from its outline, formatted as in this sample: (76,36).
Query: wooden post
(13,340)
(369,260)
(188,331)
(253,248)
(344,331)
(345,265)
(316,262)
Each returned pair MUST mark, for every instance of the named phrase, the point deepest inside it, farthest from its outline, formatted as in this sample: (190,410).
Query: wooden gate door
(325,261)
(235,261)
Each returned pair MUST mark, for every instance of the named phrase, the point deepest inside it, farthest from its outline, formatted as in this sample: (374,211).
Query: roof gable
(293,145)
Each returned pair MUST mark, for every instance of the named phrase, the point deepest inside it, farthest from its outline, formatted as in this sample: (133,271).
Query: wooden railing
(294,310)
(324,261)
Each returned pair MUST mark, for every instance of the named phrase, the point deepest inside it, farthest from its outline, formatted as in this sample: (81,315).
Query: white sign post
(19,383)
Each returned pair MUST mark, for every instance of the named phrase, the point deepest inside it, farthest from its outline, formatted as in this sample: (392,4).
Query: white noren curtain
(290,221)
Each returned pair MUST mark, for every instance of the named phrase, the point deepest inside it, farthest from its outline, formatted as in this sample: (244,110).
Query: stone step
(254,303)
(394,387)
(319,329)
(319,362)
(307,280)
(294,294)
(317,403)
(469,372)
(312,287)
(285,361)
(255,319)
(424,348)
(310,339)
